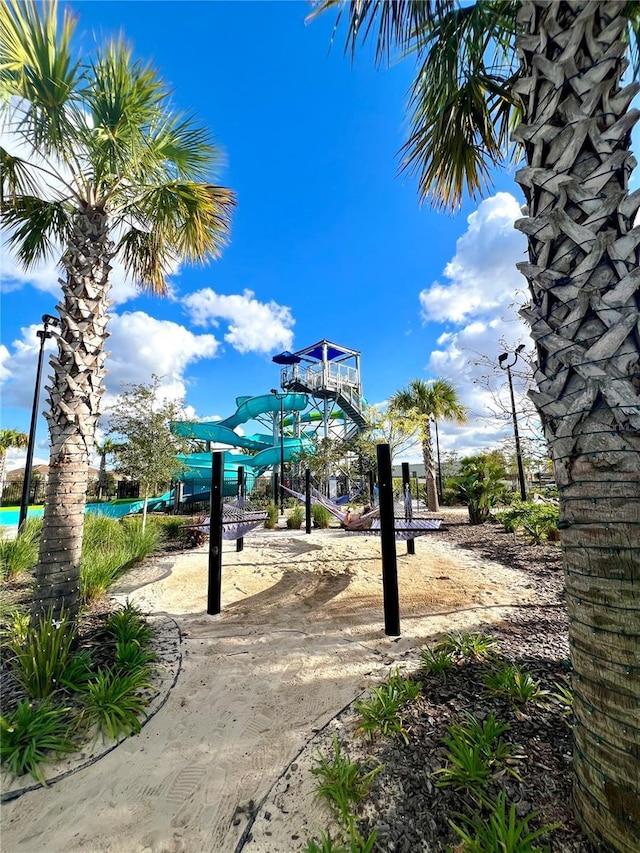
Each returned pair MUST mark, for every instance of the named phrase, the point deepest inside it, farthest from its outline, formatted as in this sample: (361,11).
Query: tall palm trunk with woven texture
(584,311)
(75,392)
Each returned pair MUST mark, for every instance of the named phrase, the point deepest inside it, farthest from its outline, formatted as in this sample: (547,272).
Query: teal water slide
(266,450)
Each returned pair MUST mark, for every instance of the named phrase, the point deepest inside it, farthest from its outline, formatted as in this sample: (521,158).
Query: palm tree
(419,402)
(111,171)
(554,70)
(107,447)
(9,438)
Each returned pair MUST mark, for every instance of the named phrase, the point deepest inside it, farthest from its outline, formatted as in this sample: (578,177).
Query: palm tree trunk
(102,474)
(429,470)
(583,277)
(3,461)
(74,395)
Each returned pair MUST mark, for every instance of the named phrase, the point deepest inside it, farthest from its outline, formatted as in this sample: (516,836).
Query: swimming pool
(9,516)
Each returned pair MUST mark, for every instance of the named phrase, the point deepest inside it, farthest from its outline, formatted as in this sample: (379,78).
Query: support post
(388,543)
(240,539)
(214,595)
(408,511)
(307,498)
(372,482)
(276,487)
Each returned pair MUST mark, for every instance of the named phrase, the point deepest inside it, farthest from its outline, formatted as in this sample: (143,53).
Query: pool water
(9,516)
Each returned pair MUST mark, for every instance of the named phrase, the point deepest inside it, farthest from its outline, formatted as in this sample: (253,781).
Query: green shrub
(480,485)
(321,516)
(381,712)
(40,658)
(140,542)
(20,554)
(131,656)
(31,734)
(468,645)
(171,526)
(127,624)
(271,520)
(510,682)
(437,660)
(538,521)
(295,519)
(343,783)
(476,752)
(111,701)
(109,547)
(501,831)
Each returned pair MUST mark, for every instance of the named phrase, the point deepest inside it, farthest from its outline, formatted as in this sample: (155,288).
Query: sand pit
(301,634)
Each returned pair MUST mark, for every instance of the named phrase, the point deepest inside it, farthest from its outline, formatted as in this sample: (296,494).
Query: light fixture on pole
(502,359)
(43,334)
(435,423)
(281,398)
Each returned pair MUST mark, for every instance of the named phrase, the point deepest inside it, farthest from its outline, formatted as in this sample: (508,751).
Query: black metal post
(307,498)
(280,397)
(281,458)
(214,596)
(240,539)
(406,494)
(388,543)
(439,464)
(43,334)
(501,361)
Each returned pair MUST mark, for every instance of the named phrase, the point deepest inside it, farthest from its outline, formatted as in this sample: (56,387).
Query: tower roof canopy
(334,351)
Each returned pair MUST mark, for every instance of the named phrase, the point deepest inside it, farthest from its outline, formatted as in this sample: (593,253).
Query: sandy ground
(301,634)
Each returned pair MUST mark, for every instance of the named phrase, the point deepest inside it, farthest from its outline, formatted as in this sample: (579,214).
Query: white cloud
(482,278)
(477,301)
(253,326)
(139,346)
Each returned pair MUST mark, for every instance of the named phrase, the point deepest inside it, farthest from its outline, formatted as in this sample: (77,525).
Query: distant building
(416,469)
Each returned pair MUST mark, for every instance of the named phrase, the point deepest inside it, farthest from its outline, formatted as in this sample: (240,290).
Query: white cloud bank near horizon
(476,300)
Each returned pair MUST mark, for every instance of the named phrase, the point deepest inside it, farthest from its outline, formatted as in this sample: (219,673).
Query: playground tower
(328,373)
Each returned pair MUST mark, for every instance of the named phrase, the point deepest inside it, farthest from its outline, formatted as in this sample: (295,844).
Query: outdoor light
(502,358)
(43,334)
(435,423)
(281,398)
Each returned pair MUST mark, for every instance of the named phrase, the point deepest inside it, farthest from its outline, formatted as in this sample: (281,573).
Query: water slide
(223,432)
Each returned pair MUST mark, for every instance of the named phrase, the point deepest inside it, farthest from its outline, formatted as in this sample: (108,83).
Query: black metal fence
(12,492)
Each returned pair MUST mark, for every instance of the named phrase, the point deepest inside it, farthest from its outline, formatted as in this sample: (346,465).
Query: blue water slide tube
(222,432)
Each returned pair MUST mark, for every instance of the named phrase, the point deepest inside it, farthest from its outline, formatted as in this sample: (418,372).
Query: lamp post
(43,334)
(502,359)
(281,397)
(435,423)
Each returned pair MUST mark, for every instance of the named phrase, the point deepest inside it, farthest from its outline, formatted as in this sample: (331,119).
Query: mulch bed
(408,810)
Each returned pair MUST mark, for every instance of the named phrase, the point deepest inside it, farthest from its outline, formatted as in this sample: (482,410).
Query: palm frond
(193,219)
(17,178)
(462,110)
(395,26)
(175,221)
(146,259)
(37,228)
(36,66)
(461,102)
(632,12)
(184,146)
(124,98)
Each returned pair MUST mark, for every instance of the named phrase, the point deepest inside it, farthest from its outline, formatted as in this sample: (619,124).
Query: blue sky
(327,240)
